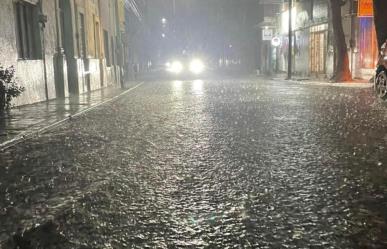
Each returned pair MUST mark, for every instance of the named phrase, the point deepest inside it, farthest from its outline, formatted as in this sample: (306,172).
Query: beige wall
(29,73)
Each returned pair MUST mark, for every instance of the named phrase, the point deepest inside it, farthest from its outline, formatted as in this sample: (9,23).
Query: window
(96,38)
(28,32)
(81,36)
(62,22)
(106,48)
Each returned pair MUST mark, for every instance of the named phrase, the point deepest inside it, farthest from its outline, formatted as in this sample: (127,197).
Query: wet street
(234,163)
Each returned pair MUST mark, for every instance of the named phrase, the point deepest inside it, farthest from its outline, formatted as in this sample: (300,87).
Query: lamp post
(290,46)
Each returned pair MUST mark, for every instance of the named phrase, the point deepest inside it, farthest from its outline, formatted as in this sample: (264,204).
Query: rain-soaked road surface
(240,163)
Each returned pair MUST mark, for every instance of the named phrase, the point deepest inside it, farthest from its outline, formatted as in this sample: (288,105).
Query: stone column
(60,65)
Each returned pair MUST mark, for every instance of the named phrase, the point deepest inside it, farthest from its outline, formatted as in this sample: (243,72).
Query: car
(380,81)
(186,67)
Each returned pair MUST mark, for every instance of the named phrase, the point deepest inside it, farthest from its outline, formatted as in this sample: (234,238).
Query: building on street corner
(62,47)
(313,44)
(312,39)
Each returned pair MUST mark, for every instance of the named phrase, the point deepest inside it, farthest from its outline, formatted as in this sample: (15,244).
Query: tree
(380,17)
(342,72)
(9,88)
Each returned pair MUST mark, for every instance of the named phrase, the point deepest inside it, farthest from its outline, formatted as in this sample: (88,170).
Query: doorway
(83,50)
(318,49)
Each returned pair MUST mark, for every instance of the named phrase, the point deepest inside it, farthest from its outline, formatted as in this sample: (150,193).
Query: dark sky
(214,27)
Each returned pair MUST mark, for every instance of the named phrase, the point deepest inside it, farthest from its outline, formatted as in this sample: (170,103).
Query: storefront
(367,43)
(368,48)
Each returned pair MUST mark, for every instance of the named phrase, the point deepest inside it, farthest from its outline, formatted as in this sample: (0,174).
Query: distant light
(163,35)
(175,67)
(196,66)
(230,46)
(164,21)
(276,42)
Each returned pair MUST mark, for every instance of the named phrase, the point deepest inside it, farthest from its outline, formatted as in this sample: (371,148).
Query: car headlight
(196,66)
(175,67)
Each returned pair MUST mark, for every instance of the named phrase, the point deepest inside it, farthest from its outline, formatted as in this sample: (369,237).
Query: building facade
(313,42)
(135,40)
(313,48)
(267,30)
(61,47)
(363,41)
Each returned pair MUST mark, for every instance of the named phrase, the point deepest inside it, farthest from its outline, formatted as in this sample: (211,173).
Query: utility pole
(290,46)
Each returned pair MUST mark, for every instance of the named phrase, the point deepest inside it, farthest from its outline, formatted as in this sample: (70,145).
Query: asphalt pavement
(222,163)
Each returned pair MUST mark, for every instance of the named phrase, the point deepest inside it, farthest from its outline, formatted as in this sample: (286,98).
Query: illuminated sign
(276,42)
(267,34)
(366,8)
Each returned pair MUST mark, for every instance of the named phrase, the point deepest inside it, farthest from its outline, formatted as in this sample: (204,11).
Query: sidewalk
(319,82)
(22,122)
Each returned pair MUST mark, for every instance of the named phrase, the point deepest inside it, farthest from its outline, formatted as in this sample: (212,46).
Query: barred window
(28,33)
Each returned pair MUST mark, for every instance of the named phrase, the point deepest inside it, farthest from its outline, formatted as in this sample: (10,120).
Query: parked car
(380,82)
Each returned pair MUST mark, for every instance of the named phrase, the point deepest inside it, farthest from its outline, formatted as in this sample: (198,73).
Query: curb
(24,136)
(338,84)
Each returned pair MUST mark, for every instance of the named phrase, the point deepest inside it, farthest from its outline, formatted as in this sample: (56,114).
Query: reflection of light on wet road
(197,87)
(177,88)
(177,85)
(219,164)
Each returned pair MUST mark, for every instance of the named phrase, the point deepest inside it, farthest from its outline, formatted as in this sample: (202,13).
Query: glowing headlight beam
(175,67)
(196,66)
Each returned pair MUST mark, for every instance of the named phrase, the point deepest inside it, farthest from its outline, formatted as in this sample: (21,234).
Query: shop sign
(267,34)
(366,8)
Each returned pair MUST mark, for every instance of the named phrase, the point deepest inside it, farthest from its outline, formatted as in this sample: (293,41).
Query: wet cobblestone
(242,163)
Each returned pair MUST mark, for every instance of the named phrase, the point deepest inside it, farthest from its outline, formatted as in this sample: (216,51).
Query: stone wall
(66,66)
(29,73)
